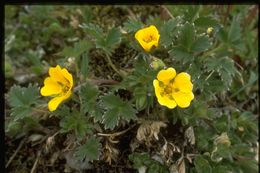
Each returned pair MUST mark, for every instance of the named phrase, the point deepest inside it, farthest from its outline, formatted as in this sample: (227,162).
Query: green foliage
(89,95)
(22,100)
(140,83)
(143,160)
(222,65)
(202,165)
(206,22)
(116,109)
(90,150)
(77,123)
(78,49)
(132,25)
(107,42)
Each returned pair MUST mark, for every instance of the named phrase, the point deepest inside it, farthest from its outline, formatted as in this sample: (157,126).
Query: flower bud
(156,63)
(209,30)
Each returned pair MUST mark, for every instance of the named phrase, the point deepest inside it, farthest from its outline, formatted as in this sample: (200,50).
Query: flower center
(168,90)
(65,88)
(148,38)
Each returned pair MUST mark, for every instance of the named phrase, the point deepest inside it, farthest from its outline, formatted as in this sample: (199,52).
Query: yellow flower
(209,30)
(172,90)
(148,37)
(58,85)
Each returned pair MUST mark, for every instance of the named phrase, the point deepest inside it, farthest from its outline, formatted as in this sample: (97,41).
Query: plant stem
(113,66)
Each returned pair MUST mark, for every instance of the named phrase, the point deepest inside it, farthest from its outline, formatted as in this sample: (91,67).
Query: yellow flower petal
(56,74)
(183,99)
(54,103)
(148,37)
(50,87)
(163,100)
(68,76)
(166,75)
(183,82)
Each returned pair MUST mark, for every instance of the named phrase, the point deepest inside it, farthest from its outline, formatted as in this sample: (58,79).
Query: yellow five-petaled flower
(148,37)
(172,90)
(58,85)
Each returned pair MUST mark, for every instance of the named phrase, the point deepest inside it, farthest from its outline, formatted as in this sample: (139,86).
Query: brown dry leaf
(189,135)
(168,150)
(181,166)
(50,142)
(149,131)
(74,22)
(110,152)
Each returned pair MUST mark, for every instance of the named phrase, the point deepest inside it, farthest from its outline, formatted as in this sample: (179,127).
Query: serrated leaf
(116,109)
(113,37)
(234,31)
(166,33)
(111,118)
(20,112)
(89,94)
(187,36)
(224,66)
(132,25)
(202,43)
(78,48)
(77,123)
(206,22)
(21,100)
(109,43)
(180,54)
(97,113)
(90,150)
(21,96)
(93,30)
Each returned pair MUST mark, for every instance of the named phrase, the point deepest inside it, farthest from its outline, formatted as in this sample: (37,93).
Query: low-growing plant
(178,95)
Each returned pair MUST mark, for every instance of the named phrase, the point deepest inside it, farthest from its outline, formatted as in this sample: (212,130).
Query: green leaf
(222,35)
(234,31)
(90,150)
(180,54)
(111,118)
(116,109)
(109,43)
(88,94)
(224,66)
(140,97)
(202,165)
(201,44)
(21,96)
(192,12)
(21,100)
(77,123)
(93,30)
(78,49)
(168,31)
(187,36)
(113,38)
(206,22)
(132,25)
